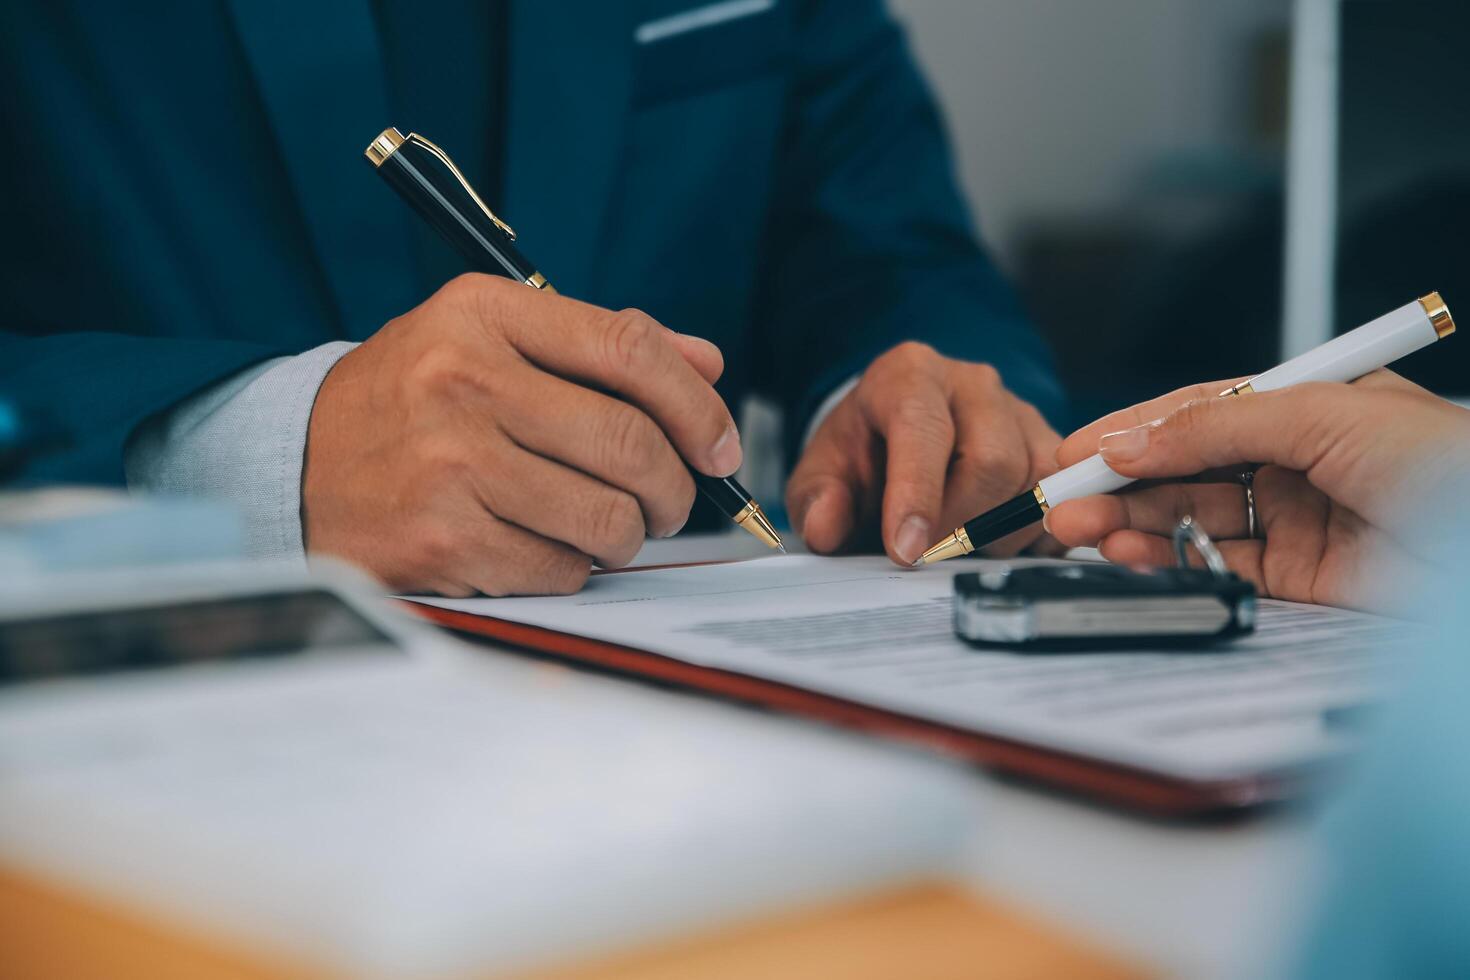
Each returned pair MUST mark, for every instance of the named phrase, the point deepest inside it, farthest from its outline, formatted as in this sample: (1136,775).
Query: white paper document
(435,813)
(864,630)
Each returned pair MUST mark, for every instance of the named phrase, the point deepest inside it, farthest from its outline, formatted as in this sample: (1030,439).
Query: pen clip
(444,158)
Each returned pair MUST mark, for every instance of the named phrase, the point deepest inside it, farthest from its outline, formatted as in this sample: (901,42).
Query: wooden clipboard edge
(1107,782)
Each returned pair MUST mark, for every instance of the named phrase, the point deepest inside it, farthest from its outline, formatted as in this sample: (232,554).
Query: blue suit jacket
(187,196)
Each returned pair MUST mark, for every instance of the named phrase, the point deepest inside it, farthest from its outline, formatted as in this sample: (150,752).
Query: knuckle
(544,569)
(631,337)
(922,418)
(912,353)
(483,298)
(996,465)
(987,456)
(668,510)
(468,283)
(455,590)
(1189,417)
(1031,414)
(470,289)
(985,374)
(615,526)
(495,584)
(563,572)
(1201,410)
(497,579)
(1309,439)
(435,549)
(684,501)
(441,460)
(713,418)
(629,440)
(438,368)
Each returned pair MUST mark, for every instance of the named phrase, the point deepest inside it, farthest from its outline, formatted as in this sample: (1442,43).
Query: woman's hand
(1350,482)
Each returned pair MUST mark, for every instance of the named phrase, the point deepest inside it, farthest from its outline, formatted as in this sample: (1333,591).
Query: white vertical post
(1311,177)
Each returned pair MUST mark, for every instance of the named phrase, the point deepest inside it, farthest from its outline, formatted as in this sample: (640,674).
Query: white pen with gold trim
(1348,357)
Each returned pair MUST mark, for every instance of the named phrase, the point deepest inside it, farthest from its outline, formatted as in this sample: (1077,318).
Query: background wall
(1125,160)
(1065,108)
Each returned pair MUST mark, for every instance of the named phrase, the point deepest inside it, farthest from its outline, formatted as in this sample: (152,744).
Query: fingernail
(913,537)
(805,511)
(1125,446)
(725,457)
(678,528)
(1046,522)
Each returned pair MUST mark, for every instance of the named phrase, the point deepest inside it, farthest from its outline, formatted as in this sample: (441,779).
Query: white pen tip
(781,548)
(917,562)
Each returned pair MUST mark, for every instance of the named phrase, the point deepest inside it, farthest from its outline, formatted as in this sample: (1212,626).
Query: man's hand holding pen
(501,439)
(573,476)
(922,443)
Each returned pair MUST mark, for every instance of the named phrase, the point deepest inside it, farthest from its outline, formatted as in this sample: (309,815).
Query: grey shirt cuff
(828,404)
(243,441)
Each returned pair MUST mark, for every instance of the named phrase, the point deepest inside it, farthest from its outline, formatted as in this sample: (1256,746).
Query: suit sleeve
(95,389)
(869,241)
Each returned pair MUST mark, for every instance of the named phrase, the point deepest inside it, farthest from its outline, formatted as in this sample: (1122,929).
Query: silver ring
(1252,518)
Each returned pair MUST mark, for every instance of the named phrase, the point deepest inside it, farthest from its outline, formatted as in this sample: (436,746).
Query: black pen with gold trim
(1344,358)
(425,177)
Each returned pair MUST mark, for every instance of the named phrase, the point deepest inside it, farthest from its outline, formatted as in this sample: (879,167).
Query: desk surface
(938,932)
(1203,902)
(1198,901)
(1192,901)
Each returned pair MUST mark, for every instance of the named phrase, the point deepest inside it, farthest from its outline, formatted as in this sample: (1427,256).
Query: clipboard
(1113,784)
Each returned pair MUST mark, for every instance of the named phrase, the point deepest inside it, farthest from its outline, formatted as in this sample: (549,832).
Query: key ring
(1190,533)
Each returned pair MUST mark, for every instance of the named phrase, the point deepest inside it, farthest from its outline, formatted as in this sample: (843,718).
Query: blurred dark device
(158,632)
(98,624)
(1081,607)
(25,435)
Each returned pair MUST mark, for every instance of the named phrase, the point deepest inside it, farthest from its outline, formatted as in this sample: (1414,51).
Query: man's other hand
(498,439)
(921,445)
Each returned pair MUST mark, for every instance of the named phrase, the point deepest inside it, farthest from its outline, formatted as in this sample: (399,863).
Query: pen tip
(781,547)
(917,562)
